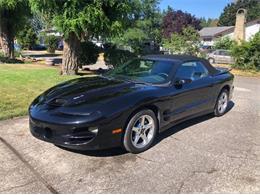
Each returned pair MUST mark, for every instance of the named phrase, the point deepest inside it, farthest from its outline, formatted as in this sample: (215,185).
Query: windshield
(143,70)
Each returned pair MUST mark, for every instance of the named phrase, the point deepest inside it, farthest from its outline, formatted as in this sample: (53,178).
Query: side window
(200,71)
(185,71)
(223,53)
(192,71)
(226,53)
(216,52)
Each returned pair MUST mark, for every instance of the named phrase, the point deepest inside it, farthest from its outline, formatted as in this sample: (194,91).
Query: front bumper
(77,137)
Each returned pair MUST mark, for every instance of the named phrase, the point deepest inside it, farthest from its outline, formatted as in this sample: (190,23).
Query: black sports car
(130,104)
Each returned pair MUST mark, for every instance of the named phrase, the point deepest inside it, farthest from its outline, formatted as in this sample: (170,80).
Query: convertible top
(172,57)
(182,59)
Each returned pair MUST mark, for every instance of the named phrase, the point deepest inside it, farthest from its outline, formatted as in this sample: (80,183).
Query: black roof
(182,59)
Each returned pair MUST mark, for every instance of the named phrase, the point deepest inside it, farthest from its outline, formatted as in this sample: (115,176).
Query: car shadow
(99,153)
(169,132)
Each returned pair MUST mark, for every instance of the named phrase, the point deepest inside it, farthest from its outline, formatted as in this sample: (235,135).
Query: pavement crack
(211,171)
(21,158)
(15,187)
(242,158)
(184,181)
(145,159)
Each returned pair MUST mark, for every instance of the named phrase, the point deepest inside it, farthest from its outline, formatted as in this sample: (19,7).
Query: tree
(228,17)
(143,27)
(176,21)
(13,16)
(186,42)
(210,22)
(133,38)
(52,42)
(78,20)
(27,37)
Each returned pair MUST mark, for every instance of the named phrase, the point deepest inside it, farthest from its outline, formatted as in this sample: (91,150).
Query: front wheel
(222,103)
(140,132)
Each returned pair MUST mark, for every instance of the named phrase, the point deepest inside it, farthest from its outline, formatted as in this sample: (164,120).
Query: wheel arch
(227,87)
(212,58)
(151,107)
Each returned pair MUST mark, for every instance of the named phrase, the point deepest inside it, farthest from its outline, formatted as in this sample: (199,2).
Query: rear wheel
(222,103)
(140,132)
(211,60)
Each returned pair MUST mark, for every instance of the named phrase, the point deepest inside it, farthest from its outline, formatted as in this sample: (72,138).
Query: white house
(210,34)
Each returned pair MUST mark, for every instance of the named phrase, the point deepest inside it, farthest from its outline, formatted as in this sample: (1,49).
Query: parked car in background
(39,47)
(220,57)
(60,45)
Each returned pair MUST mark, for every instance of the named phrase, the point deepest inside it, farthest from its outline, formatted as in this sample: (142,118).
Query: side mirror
(179,82)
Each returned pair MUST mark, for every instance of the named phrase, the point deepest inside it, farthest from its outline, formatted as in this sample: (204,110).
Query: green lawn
(21,83)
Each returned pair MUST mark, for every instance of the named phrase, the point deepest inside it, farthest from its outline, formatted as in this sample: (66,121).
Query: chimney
(240,29)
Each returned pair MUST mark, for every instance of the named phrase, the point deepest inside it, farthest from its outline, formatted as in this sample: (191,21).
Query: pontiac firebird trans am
(129,105)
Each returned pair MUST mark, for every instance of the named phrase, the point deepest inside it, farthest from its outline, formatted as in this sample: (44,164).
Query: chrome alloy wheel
(222,103)
(143,131)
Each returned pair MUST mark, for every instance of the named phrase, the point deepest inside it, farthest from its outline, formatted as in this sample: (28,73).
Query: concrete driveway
(209,155)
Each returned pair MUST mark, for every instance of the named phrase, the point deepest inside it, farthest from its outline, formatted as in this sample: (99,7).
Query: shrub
(27,38)
(4,59)
(185,43)
(117,57)
(51,42)
(224,43)
(89,53)
(247,54)
(1,54)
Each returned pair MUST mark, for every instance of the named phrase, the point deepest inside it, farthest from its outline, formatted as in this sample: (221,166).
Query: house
(209,35)
(241,31)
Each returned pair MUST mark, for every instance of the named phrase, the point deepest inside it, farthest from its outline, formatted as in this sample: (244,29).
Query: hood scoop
(57,102)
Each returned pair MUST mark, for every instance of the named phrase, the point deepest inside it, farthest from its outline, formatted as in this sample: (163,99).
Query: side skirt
(166,127)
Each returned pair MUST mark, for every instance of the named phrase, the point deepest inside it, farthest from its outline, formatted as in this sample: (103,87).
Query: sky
(199,8)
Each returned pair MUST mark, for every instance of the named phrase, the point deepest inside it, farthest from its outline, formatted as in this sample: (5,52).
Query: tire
(222,103)
(140,132)
(211,60)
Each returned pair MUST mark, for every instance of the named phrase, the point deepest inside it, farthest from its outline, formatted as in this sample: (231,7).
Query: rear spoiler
(221,70)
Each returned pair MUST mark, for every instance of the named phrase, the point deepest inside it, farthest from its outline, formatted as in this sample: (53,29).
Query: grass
(21,83)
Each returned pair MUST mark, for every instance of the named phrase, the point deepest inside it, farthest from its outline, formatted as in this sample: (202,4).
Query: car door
(193,87)
(223,57)
(228,58)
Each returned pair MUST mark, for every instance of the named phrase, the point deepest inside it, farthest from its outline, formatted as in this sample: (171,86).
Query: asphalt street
(203,155)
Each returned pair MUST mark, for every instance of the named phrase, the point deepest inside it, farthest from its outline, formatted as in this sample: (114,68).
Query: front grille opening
(80,140)
(47,133)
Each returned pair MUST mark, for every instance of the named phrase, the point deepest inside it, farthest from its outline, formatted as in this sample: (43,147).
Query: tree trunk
(71,50)
(7,42)
(8,47)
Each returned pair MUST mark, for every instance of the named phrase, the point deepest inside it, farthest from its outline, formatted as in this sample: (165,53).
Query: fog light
(93,130)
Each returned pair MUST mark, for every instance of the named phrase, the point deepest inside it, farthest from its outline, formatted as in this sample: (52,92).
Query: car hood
(83,100)
(92,90)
